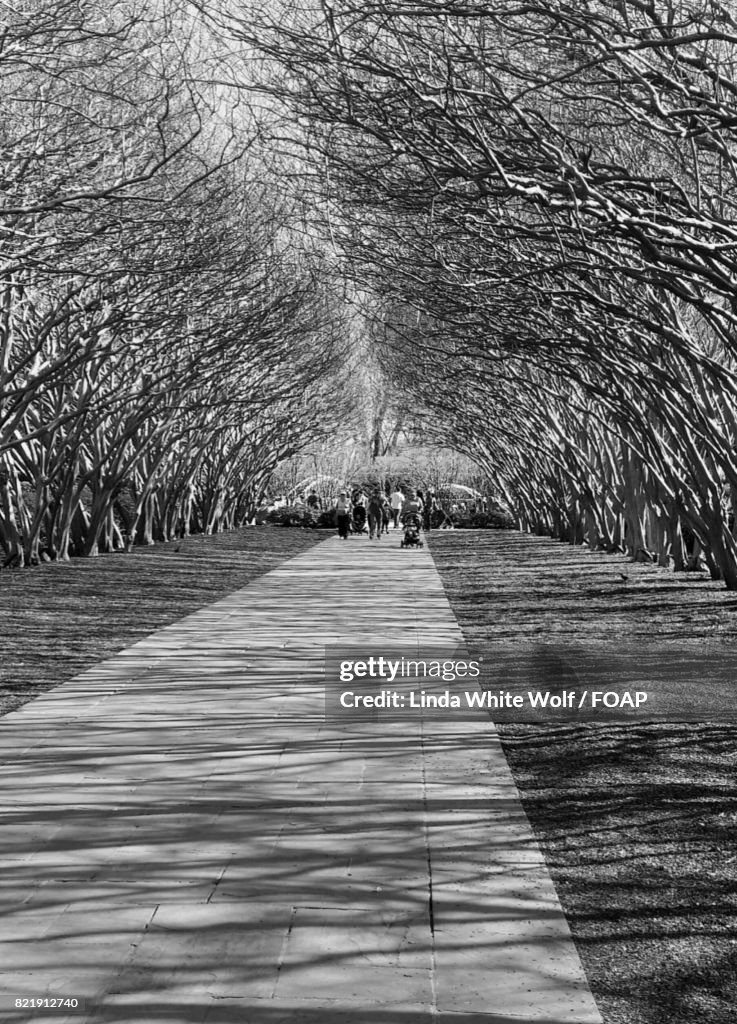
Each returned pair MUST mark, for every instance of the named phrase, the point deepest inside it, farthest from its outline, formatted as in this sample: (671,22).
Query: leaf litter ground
(638,823)
(62,617)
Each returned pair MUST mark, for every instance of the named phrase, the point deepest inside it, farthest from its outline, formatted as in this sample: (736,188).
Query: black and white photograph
(368,512)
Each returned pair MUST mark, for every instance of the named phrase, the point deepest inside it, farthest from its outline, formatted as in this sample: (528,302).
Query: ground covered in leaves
(60,618)
(638,822)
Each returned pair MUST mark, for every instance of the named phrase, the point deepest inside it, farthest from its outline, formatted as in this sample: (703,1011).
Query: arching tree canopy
(165,338)
(230,231)
(538,200)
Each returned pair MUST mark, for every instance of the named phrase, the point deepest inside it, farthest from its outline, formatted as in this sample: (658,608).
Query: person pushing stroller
(358,522)
(412,521)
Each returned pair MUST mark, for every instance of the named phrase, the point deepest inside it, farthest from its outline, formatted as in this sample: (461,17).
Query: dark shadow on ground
(62,617)
(207,862)
(638,823)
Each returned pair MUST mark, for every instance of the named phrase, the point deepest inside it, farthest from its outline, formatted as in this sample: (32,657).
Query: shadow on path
(184,837)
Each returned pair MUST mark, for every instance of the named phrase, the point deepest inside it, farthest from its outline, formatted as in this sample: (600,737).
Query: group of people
(356,509)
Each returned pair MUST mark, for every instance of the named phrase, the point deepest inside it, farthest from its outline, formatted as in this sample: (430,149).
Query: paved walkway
(184,838)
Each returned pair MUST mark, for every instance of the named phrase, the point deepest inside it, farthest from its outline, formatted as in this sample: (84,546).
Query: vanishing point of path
(185,838)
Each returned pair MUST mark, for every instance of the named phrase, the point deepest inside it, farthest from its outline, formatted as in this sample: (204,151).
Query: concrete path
(184,837)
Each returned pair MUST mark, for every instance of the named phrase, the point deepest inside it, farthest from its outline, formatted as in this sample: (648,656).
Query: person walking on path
(396,501)
(343,514)
(429,510)
(375,515)
(386,514)
(412,505)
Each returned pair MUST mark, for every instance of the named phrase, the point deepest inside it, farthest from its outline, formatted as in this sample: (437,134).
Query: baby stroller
(412,523)
(358,521)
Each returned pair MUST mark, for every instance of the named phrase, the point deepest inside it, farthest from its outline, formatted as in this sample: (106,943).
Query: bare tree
(159,321)
(542,198)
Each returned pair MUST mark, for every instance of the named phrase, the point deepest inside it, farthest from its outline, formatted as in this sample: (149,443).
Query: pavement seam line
(283,951)
(430,907)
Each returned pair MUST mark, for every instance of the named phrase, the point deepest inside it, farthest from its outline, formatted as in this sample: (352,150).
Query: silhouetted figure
(343,514)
